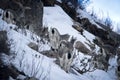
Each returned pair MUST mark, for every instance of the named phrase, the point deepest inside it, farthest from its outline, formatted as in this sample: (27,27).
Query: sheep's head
(54,38)
(9,16)
(65,47)
(65,55)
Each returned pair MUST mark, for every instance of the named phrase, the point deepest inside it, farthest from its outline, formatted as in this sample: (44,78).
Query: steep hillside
(37,64)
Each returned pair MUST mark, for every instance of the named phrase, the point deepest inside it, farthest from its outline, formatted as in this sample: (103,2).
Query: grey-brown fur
(118,67)
(65,62)
(113,35)
(63,48)
(66,55)
(54,37)
(64,37)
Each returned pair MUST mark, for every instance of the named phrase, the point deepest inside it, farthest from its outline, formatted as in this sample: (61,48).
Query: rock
(118,72)
(78,27)
(48,2)
(31,78)
(6,71)
(81,47)
(33,46)
(44,33)
(101,62)
(4,46)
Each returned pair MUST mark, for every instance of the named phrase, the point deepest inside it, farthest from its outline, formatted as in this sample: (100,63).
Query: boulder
(81,47)
(78,27)
(48,2)
(33,46)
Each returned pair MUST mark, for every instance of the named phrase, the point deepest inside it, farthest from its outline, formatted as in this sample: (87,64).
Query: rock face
(23,13)
(100,62)
(4,47)
(65,47)
(67,8)
(118,67)
(31,78)
(48,2)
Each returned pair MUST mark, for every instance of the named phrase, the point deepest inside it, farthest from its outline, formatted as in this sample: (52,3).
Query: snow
(98,75)
(61,21)
(33,63)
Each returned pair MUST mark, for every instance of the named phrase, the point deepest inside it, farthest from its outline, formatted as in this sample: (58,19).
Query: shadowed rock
(64,37)
(78,27)
(48,2)
(81,47)
(33,46)
(4,46)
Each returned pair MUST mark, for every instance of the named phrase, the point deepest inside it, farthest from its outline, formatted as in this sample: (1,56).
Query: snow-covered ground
(57,18)
(32,63)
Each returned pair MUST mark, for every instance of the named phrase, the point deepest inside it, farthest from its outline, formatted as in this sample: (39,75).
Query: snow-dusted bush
(83,3)
(108,22)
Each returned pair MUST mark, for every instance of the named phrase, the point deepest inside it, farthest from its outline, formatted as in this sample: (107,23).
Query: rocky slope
(63,49)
